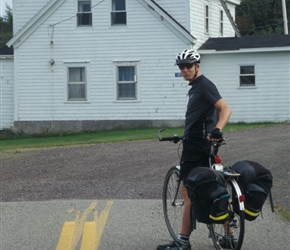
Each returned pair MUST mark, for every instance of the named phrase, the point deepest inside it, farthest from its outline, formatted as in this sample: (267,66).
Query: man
(206,113)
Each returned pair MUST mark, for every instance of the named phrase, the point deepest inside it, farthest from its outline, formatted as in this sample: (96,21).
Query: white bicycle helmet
(187,56)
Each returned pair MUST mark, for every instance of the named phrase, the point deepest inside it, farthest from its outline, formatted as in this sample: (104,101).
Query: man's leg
(183,241)
(227,228)
(186,223)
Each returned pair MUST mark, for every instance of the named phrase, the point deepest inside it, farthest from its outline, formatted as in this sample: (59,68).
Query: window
(84,15)
(126,83)
(77,84)
(221,23)
(118,14)
(206,19)
(247,76)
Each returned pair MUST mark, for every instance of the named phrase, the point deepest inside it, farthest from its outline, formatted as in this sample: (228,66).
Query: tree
(261,17)
(6,27)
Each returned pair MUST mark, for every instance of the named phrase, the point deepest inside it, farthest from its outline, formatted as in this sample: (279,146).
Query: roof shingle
(235,43)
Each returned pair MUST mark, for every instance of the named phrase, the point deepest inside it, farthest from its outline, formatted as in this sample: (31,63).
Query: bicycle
(173,202)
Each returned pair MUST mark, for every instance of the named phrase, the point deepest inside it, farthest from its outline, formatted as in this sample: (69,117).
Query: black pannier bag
(255,182)
(208,195)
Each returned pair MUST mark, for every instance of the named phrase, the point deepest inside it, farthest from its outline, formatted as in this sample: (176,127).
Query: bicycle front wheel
(172,202)
(220,233)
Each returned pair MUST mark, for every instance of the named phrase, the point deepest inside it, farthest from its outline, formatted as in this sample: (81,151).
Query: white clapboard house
(87,65)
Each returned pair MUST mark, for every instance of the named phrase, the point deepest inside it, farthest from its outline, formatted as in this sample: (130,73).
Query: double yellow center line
(89,231)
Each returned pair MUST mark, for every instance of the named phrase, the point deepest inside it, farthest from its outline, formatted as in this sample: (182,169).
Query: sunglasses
(183,66)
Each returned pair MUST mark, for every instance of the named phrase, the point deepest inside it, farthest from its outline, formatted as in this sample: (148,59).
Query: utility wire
(64,20)
(97,4)
(52,25)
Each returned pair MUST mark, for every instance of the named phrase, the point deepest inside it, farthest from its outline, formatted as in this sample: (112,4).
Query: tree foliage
(6,27)
(261,17)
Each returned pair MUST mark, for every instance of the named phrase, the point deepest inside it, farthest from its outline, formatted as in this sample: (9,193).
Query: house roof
(234,1)
(34,23)
(6,51)
(168,20)
(246,42)
(53,5)
(173,19)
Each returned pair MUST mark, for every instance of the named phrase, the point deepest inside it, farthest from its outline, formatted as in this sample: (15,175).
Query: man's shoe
(174,246)
(228,241)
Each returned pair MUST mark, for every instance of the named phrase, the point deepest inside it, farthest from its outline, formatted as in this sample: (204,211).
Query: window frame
(242,85)
(114,12)
(80,14)
(135,82)
(69,83)
(221,23)
(206,18)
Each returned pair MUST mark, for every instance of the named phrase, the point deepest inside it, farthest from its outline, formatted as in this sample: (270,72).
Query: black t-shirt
(201,115)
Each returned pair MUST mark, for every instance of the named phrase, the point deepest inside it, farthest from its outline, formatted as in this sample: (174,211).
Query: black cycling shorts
(194,155)
(187,166)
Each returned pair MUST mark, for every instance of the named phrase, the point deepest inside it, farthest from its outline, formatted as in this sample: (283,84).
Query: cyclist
(206,113)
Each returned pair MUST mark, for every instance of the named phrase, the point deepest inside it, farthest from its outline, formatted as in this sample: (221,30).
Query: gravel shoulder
(132,170)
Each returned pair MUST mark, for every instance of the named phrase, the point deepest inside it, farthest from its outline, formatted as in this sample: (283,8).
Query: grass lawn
(11,141)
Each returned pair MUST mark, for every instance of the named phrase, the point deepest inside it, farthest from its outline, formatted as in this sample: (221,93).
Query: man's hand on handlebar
(216,135)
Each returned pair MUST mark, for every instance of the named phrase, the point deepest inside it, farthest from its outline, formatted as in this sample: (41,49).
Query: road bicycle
(173,201)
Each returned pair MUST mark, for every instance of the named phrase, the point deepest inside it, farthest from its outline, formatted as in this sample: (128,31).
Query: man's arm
(224,113)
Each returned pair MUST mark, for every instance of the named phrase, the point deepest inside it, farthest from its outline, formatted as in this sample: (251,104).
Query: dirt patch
(131,170)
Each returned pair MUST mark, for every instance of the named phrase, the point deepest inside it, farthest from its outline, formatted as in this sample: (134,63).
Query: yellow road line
(89,236)
(90,231)
(80,222)
(101,222)
(66,237)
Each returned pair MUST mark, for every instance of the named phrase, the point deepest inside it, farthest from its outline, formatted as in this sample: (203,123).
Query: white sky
(3,6)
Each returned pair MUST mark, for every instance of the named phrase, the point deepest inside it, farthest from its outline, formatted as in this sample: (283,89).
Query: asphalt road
(49,196)
(131,224)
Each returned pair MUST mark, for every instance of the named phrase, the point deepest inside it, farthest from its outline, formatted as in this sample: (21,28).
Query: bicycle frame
(217,165)
(173,202)
(239,194)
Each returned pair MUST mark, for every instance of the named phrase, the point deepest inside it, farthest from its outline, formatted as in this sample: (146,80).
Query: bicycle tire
(172,202)
(236,221)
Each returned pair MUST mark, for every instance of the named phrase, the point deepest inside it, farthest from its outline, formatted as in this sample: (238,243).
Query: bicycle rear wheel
(235,224)
(172,202)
